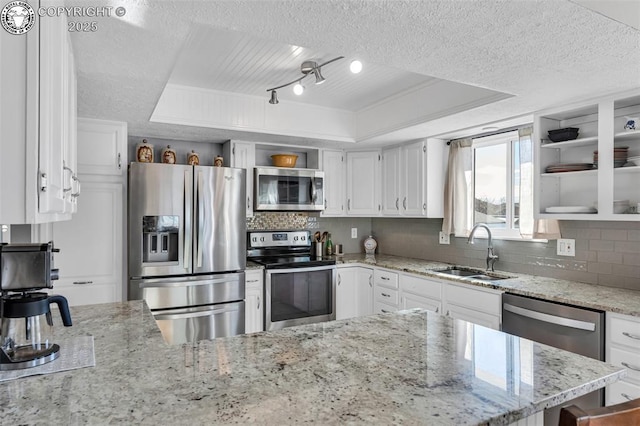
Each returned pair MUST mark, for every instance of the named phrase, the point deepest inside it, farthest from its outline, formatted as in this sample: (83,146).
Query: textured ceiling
(544,52)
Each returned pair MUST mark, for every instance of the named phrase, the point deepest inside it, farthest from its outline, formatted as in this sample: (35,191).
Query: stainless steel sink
(470,274)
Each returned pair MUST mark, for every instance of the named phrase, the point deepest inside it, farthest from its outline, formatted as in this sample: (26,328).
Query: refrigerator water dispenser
(160,238)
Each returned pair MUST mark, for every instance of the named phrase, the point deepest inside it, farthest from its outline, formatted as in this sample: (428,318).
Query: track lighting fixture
(307,68)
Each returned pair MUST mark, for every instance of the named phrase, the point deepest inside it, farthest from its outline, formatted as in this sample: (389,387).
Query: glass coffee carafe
(26,329)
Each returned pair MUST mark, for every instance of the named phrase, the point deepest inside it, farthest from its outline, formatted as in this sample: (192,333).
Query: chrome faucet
(491,257)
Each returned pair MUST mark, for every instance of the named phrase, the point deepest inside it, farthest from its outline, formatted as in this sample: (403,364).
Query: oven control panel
(278,239)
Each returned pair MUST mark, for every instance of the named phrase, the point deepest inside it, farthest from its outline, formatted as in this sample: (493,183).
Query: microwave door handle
(312,191)
(199,186)
(188,200)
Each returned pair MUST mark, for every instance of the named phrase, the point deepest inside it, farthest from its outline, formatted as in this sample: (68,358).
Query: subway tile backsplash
(607,253)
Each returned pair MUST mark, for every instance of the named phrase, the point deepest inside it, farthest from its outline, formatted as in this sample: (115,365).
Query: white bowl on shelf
(620,206)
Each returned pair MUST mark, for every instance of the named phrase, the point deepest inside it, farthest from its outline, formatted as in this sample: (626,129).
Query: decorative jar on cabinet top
(144,152)
(193,158)
(218,161)
(168,155)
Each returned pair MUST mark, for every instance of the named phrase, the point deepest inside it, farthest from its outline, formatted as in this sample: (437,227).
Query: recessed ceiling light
(355,66)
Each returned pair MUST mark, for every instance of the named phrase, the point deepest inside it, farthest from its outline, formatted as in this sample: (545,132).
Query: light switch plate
(566,247)
(354,232)
(444,238)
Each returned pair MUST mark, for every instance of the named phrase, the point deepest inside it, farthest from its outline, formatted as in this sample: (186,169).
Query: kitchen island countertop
(410,367)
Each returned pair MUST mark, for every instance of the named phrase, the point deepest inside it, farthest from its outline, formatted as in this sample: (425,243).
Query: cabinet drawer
(89,294)
(479,300)
(410,301)
(382,308)
(385,278)
(475,317)
(621,392)
(386,295)
(421,286)
(627,359)
(624,331)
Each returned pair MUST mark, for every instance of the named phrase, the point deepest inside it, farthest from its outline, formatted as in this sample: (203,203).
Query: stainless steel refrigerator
(187,248)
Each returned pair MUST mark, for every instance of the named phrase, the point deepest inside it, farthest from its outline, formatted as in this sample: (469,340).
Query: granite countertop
(410,367)
(592,296)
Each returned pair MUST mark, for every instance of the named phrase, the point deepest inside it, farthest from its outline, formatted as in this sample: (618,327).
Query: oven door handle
(309,269)
(174,314)
(552,319)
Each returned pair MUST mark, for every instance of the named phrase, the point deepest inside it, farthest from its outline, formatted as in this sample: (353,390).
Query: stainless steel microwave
(281,189)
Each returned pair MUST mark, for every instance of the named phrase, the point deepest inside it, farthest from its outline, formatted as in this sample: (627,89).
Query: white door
(334,183)
(102,147)
(364,292)
(254,301)
(90,258)
(412,172)
(243,156)
(391,172)
(346,287)
(363,183)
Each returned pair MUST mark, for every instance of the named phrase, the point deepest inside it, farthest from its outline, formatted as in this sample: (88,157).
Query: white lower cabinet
(254,301)
(418,292)
(478,305)
(91,256)
(346,293)
(385,291)
(623,349)
(364,292)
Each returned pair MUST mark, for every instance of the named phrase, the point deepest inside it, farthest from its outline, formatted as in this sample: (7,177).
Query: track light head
(319,78)
(274,98)
(298,89)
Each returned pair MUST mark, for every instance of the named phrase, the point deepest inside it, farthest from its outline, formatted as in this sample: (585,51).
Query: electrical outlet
(354,232)
(566,247)
(444,238)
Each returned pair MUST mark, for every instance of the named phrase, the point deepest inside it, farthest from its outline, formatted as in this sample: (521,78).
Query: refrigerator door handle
(187,220)
(199,186)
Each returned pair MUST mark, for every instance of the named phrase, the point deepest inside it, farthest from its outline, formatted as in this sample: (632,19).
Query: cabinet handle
(447,314)
(632,336)
(83,282)
(626,396)
(370,278)
(424,206)
(252,281)
(384,311)
(397,201)
(43,182)
(258,308)
(339,279)
(631,367)
(248,202)
(384,278)
(404,203)
(437,310)
(67,169)
(325,203)
(77,181)
(349,204)
(119,161)
(385,294)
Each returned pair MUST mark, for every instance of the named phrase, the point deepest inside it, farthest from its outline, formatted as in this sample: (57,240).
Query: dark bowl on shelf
(566,134)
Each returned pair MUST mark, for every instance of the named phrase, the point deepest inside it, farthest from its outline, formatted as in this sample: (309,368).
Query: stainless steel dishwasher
(577,330)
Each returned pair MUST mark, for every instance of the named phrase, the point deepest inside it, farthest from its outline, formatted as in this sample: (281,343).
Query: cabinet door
(91,258)
(391,195)
(102,147)
(412,179)
(362,183)
(254,301)
(364,292)
(72,182)
(346,291)
(410,301)
(333,166)
(476,317)
(243,155)
(52,109)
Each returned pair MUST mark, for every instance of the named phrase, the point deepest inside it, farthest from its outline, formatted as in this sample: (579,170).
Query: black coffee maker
(25,314)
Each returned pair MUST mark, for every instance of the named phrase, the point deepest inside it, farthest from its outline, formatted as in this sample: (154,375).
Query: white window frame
(503,138)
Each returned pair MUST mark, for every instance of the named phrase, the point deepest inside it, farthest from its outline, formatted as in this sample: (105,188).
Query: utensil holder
(318,249)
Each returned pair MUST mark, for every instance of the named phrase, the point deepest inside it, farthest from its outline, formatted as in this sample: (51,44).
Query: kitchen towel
(74,353)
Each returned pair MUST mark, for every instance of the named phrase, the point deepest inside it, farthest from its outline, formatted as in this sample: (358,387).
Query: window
(496,183)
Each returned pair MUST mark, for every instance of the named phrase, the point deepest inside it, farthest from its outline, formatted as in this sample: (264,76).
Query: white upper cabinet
(38,173)
(333,166)
(363,183)
(102,147)
(413,179)
(567,186)
(243,155)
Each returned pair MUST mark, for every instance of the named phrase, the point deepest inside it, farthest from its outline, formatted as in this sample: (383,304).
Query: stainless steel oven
(281,189)
(299,288)
(297,296)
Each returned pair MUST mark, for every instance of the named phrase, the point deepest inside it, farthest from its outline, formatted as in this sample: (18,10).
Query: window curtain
(530,228)
(458,190)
